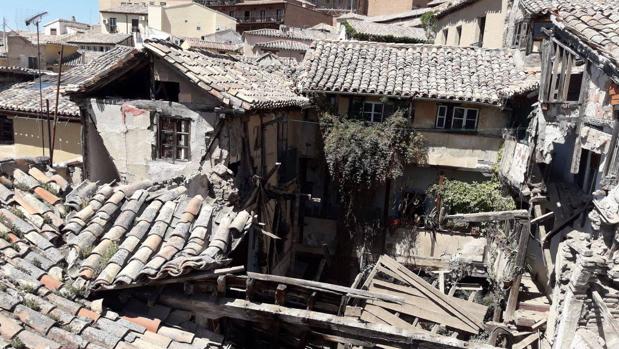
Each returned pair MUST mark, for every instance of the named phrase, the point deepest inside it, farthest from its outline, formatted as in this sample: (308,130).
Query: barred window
(173,139)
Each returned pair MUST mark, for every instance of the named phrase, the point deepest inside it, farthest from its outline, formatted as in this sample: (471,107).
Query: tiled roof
(43,39)
(323,27)
(135,9)
(235,83)
(379,30)
(292,33)
(536,6)
(193,43)
(93,37)
(24,97)
(419,71)
(286,45)
(596,22)
(40,305)
(400,15)
(19,70)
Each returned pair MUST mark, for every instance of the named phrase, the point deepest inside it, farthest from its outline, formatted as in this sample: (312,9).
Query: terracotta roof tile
(235,83)
(416,71)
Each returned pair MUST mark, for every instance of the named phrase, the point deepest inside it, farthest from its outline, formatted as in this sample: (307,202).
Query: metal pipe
(53,139)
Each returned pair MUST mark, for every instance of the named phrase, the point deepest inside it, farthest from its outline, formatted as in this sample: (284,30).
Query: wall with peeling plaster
(128,133)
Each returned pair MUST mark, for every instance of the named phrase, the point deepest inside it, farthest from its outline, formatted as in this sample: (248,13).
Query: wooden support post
(249,289)
(512,300)
(221,285)
(280,294)
(311,301)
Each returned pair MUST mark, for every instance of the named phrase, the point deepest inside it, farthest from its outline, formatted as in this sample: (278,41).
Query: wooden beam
(512,300)
(244,310)
(318,286)
(280,294)
(606,314)
(526,341)
(542,218)
(488,216)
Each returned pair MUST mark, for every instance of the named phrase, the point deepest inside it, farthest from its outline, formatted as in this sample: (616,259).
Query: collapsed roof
(416,71)
(235,83)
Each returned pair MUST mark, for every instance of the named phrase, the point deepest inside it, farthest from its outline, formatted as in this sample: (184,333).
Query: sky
(17,11)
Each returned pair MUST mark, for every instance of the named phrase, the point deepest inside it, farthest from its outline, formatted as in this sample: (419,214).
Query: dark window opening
(167,90)
(247,15)
(588,170)
(456,118)
(112,25)
(482,30)
(573,91)
(6,131)
(135,25)
(53,31)
(458,35)
(33,63)
(173,139)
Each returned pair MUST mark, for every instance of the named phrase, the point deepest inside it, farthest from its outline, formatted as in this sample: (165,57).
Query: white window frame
(373,114)
(441,117)
(464,118)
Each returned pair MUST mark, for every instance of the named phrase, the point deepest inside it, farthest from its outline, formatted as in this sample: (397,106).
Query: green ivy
(362,155)
(474,197)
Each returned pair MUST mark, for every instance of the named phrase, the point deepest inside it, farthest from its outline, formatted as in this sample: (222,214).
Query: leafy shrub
(463,197)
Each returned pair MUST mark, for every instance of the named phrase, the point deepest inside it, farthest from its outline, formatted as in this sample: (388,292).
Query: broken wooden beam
(346,327)
(541,218)
(488,216)
(280,294)
(321,286)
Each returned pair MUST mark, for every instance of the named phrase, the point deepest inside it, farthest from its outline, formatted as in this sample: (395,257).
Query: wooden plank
(606,314)
(526,341)
(512,300)
(477,309)
(413,295)
(390,318)
(213,307)
(430,291)
(418,310)
(488,216)
(366,316)
(541,218)
(351,292)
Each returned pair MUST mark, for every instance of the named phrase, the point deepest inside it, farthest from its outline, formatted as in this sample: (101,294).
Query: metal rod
(53,139)
(49,131)
(40,88)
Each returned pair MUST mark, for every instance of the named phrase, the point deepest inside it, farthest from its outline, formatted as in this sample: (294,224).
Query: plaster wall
(128,131)
(468,19)
(189,20)
(189,93)
(123,22)
(298,16)
(29,135)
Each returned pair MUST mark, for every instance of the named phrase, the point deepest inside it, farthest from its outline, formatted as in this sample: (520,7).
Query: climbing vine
(429,22)
(463,197)
(361,156)
(352,33)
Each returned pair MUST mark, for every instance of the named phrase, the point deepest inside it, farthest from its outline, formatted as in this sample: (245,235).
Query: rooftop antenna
(36,19)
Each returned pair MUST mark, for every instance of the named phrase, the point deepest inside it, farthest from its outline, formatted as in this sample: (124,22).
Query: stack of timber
(424,309)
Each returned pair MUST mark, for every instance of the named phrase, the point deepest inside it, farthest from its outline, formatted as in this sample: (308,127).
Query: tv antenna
(36,19)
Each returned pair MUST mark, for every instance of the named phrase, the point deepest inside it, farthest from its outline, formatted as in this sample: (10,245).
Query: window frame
(373,112)
(464,118)
(161,132)
(113,25)
(458,38)
(439,116)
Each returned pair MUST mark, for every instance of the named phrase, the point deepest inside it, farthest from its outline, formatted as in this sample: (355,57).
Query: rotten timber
(341,326)
(488,216)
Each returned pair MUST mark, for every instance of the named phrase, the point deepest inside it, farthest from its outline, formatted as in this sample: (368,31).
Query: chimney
(73,19)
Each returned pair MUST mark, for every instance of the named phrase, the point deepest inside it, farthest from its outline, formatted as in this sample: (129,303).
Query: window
(464,119)
(247,15)
(163,3)
(444,34)
(112,25)
(33,63)
(231,13)
(279,13)
(6,131)
(173,138)
(441,116)
(53,31)
(481,22)
(563,74)
(198,28)
(167,90)
(135,25)
(520,34)
(458,35)
(373,111)
(263,15)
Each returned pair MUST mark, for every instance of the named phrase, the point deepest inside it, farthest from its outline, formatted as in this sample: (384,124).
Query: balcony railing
(260,20)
